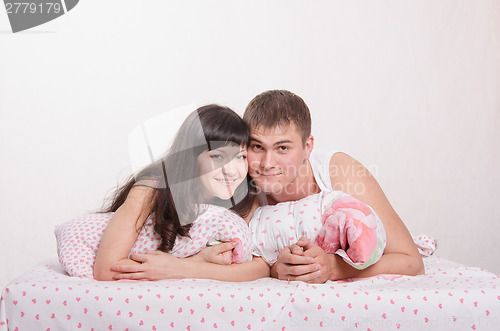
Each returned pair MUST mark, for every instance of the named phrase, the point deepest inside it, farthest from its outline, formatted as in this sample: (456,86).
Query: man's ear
(308,146)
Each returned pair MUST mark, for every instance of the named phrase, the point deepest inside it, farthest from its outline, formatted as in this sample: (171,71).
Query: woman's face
(222,170)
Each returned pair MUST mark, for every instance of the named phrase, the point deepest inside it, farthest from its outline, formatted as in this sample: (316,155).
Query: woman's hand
(154,265)
(157,265)
(219,254)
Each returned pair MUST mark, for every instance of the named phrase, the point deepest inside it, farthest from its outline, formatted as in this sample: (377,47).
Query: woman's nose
(229,168)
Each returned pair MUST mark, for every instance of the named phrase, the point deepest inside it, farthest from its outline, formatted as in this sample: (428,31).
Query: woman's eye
(242,157)
(216,157)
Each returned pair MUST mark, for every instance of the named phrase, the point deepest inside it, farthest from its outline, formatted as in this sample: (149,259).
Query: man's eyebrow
(255,139)
(280,142)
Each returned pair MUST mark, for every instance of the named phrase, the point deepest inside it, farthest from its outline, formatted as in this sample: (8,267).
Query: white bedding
(449,296)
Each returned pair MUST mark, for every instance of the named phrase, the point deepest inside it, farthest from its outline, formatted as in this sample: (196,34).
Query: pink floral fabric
(335,221)
(352,230)
(78,239)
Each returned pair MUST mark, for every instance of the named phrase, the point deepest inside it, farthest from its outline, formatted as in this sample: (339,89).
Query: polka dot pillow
(78,239)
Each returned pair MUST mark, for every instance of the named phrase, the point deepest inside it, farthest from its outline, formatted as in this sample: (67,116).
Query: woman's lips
(227,182)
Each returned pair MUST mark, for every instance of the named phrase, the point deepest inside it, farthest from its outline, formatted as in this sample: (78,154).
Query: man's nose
(267,161)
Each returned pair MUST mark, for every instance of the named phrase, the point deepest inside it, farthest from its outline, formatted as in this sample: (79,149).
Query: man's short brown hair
(278,108)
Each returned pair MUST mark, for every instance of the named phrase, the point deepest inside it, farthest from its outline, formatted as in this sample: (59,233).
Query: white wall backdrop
(409,88)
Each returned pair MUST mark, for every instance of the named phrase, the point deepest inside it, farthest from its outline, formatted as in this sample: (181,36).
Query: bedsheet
(449,296)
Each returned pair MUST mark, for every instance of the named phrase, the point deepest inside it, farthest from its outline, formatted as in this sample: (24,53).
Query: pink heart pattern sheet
(449,296)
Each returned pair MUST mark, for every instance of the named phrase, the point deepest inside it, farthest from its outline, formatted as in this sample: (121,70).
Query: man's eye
(241,157)
(256,147)
(283,148)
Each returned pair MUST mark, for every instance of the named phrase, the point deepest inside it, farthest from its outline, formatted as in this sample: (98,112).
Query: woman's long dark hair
(176,202)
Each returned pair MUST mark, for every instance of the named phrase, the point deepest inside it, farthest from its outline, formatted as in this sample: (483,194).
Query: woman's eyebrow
(223,151)
(218,150)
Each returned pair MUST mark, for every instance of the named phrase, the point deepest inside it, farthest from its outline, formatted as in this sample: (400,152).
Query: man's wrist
(339,269)
(273,271)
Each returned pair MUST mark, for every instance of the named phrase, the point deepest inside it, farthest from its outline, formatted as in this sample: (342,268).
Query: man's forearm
(396,263)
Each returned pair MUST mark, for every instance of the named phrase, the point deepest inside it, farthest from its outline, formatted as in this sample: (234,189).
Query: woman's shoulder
(209,210)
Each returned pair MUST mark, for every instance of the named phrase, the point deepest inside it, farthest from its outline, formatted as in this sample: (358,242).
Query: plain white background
(409,88)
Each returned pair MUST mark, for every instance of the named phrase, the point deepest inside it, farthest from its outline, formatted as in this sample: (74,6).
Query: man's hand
(292,264)
(155,265)
(332,266)
(325,261)
(307,262)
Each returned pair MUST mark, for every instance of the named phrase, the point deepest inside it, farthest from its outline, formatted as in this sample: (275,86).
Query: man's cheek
(253,164)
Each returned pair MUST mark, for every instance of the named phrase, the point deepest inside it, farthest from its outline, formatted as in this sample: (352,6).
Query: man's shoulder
(323,152)
(323,157)
(346,172)
(341,158)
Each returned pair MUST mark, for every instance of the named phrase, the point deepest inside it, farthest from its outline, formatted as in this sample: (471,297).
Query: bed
(448,296)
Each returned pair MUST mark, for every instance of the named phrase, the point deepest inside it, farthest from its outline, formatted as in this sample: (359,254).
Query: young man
(283,165)
(285,168)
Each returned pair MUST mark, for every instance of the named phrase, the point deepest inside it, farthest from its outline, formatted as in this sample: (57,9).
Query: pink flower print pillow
(352,230)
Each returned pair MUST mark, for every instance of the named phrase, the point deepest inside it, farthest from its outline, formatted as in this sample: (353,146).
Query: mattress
(448,296)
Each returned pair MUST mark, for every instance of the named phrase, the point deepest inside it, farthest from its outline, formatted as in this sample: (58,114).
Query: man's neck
(303,186)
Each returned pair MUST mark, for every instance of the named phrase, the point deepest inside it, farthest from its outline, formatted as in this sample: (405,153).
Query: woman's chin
(225,197)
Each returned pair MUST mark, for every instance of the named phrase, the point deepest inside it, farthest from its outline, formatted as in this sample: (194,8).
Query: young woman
(205,166)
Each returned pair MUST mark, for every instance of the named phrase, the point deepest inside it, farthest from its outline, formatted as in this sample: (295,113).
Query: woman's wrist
(190,267)
(195,258)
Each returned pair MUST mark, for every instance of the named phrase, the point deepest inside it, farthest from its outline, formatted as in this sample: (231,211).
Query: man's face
(277,157)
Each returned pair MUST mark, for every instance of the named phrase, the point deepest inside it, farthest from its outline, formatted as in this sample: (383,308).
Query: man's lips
(269,175)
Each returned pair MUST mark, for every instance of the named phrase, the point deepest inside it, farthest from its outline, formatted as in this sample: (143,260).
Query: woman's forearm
(237,272)
(121,233)
(156,265)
